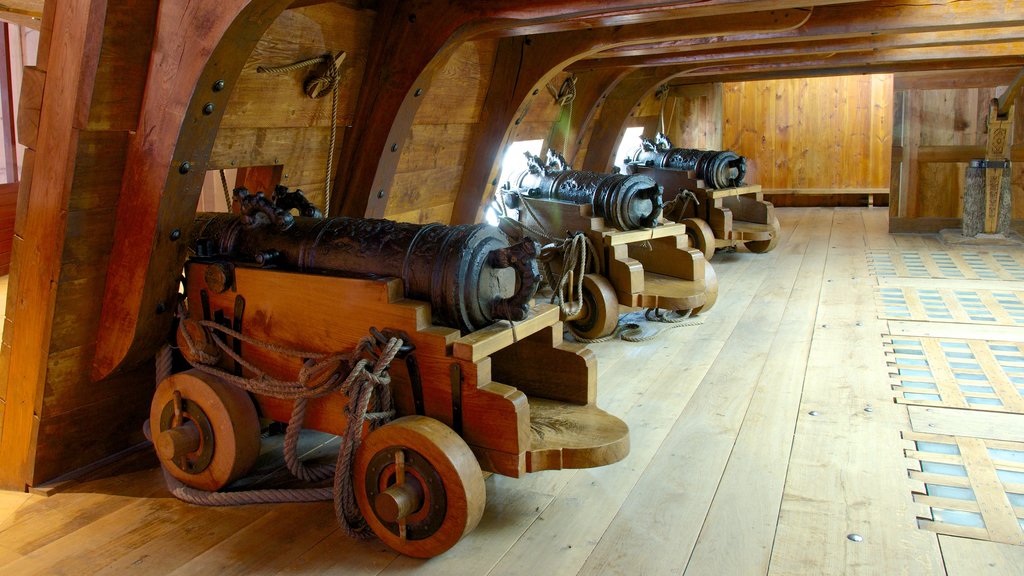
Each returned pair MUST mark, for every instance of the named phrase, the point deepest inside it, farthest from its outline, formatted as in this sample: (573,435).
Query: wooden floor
(764,441)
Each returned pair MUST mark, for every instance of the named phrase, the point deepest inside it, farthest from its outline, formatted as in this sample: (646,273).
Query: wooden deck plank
(575,530)
(954,330)
(664,509)
(837,489)
(974,423)
(876,226)
(968,557)
(739,529)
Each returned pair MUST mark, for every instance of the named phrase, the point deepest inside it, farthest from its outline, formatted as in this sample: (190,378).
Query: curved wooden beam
(166,165)
(412,41)
(525,64)
(592,88)
(853,21)
(617,107)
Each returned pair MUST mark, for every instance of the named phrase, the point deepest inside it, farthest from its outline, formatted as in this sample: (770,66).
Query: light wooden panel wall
(936,132)
(430,168)
(692,115)
(270,120)
(812,134)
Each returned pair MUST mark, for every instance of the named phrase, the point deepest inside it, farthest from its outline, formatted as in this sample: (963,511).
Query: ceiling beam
(813,45)
(879,60)
(853,21)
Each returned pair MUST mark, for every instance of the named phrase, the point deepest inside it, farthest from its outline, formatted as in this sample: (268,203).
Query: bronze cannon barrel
(626,202)
(469,274)
(717,168)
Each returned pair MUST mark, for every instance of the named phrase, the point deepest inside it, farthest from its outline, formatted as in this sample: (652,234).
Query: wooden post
(987,199)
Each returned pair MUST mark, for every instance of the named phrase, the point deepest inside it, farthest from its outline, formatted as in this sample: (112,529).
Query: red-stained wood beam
(525,64)
(942,58)
(853,21)
(781,72)
(166,166)
(71,70)
(693,9)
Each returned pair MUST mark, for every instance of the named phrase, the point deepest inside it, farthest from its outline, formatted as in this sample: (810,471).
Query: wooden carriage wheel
(701,235)
(762,246)
(600,313)
(205,431)
(419,486)
(710,291)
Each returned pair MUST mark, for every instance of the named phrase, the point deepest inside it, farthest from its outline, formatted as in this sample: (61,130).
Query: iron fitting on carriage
(469,273)
(626,202)
(717,168)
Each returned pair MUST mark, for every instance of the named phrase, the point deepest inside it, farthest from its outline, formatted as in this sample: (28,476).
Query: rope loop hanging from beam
(318,86)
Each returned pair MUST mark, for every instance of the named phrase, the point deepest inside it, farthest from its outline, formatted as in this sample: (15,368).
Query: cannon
(705,190)
(653,266)
(469,273)
(717,168)
(625,202)
(329,324)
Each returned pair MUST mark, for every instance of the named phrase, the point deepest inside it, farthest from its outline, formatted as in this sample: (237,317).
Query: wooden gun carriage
(650,264)
(723,211)
(502,397)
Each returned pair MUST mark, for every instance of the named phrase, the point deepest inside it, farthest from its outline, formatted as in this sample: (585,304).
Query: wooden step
(670,293)
(567,435)
(745,231)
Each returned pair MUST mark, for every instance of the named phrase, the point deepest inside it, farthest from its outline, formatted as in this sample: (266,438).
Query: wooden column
(52,418)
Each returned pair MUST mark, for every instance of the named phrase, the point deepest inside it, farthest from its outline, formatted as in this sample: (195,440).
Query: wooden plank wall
(53,418)
(808,141)
(693,115)
(812,135)
(270,121)
(56,418)
(430,168)
(939,127)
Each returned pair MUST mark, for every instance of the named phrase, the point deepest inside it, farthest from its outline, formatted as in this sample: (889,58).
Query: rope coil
(635,332)
(315,87)
(367,379)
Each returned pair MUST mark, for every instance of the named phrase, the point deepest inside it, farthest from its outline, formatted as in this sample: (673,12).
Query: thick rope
(635,332)
(359,386)
(662,94)
(574,262)
(227,191)
(318,87)
(564,98)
